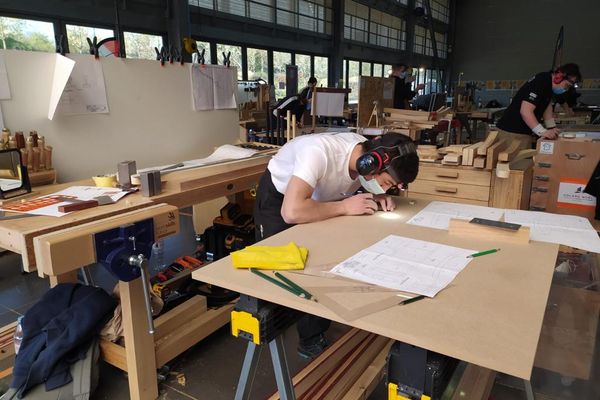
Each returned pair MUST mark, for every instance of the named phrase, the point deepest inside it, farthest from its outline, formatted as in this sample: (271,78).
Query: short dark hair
(395,66)
(404,168)
(312,79)
(570,69)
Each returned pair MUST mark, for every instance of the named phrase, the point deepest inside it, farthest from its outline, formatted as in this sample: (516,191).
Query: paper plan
(213,87)
(438,214)
(4,86)
(329,104)
(569,230)
(48,205)
(405,264)
(63,67)
(85,92)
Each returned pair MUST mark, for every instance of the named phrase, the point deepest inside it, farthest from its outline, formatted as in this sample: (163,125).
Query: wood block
(114,354)
(368,381)
(452,159)
(479,162)
(469,153)
(453,148)
(488,142)
(463,228)
(178,317)
(492,154)
(510,152)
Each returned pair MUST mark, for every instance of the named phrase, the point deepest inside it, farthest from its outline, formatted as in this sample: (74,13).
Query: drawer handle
(451,175)
(539,189)
(537,208)
(543,178)
(544,165)
(574,156)
(446,189)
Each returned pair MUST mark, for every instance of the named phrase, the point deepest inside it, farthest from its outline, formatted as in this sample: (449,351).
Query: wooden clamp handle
(446,189)
(81,205)
(453,175)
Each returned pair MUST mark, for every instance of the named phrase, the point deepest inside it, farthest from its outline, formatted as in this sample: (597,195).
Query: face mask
(558,90)
(371,186)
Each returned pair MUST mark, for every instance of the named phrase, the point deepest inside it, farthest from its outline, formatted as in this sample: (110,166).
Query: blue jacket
(57,331)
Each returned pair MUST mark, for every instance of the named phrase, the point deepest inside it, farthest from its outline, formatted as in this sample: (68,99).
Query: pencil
(420,297)
(483,253)
(294,285)
(276,282)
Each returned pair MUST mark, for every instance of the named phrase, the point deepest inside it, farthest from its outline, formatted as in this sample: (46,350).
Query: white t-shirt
(321,160)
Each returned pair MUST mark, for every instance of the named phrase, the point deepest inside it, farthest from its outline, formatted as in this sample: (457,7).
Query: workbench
(491,314)
(470,119)
(40,239)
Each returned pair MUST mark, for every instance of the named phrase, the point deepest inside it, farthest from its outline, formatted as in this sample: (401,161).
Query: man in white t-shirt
(314,177)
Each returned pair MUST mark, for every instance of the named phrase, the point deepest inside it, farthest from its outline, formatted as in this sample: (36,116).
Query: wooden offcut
(487,143)
(463,228)
(493,152)
(511,151)
(469,153)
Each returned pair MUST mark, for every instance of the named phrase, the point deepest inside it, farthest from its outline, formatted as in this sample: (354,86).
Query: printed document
(438,214)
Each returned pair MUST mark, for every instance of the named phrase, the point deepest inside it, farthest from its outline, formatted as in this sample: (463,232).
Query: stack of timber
(428,153)
(349,369)
(7,349)
(452,154)
(487,154)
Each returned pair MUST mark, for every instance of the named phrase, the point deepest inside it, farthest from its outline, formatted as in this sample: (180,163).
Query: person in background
(296,104)
(533,104)
(308,91)
(403,92)
(312,178)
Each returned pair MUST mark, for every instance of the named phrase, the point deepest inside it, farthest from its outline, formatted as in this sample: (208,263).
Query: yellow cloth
(285,257)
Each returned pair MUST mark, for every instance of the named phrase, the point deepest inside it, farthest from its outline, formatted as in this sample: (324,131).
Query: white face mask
(371,186)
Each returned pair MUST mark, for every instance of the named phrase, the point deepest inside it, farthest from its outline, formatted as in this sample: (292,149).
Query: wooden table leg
(139,344)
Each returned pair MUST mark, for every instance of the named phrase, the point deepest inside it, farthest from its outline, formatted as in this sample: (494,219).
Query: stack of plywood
(349,369)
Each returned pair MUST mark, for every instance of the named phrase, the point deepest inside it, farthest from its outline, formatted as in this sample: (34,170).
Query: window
(353,76)
(280,60)
(141,45)
(377,70)
(311,15)
(440,9)
(356,23)
(206,47)
(365,69)
(344,67)
(387,70)
(77,37)
(258,65)
(303,63)
(387,30)
(235,59)
(423,43)
(321,70)
(26,34)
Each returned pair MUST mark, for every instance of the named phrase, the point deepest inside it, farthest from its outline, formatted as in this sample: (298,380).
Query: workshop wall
(151,119)
(514,39)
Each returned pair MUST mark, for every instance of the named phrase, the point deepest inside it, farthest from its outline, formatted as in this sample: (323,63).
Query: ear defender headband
(380,158)
(558,77)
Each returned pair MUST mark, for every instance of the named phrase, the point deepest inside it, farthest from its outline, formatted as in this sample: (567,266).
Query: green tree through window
(24,34)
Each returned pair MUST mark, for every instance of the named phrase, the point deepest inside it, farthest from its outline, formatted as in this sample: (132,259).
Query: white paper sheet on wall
(4,85)
(63,67)
(213,87)
(421,267)
(329,104)
(85,91)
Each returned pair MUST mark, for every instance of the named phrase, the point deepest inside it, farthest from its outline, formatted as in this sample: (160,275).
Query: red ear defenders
(558,77)
(380,158)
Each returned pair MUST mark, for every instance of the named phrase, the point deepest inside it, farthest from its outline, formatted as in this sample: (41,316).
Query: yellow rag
(285,257)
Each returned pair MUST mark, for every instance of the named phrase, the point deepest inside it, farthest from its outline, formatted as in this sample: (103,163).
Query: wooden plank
(511,151)
(54,250)
(479,162)
(196,182)
(306,379)
(6,373)
(492,154)
(469,153)
(194,331)
(487,143)
(368,381)
(139,344)
(475,384)
(113,354)
(179,316)
(463,228)
(452,159)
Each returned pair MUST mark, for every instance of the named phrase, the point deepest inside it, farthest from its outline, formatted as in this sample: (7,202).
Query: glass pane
(365,69)
(321,71)
(77,37)
(235,58)
(141,45)
(353,75)
(280,60)
(202,3)
(258,65)
(206,47)
(387,70)
(25,34)
(303,63)
(344,73)
(377,70)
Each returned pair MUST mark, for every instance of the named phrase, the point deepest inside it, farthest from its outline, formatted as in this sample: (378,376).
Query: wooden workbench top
(490,315)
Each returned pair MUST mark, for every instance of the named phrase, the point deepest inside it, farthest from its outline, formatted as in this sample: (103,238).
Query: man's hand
(385,202)
(420,86)
(551,133)
(360,204)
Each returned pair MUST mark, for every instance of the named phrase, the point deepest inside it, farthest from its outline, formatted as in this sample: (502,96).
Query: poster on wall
(85,91)
(62,71)
(213,87)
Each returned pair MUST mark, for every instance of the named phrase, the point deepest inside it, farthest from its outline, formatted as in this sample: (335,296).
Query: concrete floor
(211,367)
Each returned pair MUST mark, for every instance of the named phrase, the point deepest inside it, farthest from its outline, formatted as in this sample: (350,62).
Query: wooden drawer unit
(459,190)
(441,173)
(561,171)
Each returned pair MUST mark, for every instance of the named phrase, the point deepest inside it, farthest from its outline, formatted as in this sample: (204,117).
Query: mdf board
(509,296)
(371,89)
(562,170)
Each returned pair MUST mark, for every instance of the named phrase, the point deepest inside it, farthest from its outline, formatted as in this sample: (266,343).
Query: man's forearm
(310,210)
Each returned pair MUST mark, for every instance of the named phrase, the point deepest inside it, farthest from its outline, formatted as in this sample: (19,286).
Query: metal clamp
(142,263)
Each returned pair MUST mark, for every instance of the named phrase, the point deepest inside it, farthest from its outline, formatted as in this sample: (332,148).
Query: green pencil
(294,285)
(420,297)
(483,253)
(276,282)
